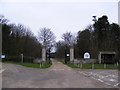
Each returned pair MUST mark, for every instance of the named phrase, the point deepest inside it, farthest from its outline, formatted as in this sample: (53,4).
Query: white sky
(59,15)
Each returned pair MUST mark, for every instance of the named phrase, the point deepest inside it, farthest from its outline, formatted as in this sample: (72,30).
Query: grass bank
(32,65)
(91,66)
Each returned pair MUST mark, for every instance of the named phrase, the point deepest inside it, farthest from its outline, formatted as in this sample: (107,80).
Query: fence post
(92,65)
(105,66)
(81,66)
(22,58)
(117,64)
(40,64)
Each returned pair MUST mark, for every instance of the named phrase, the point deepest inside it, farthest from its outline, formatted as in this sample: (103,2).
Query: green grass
(32,65)
(72,65)
(89,66)
(96,66)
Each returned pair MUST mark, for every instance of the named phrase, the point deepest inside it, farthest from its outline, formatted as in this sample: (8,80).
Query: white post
(104,65)
(81,66)
(40,64)
(117,64)
(92,65)
(22,58)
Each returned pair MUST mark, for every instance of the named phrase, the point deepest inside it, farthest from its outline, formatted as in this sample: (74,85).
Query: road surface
(57,76)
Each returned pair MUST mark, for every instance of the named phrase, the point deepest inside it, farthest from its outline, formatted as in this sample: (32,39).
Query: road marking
(117,84)
(83,73)
(2,70)
(94,78)
(100,80)
(107,83)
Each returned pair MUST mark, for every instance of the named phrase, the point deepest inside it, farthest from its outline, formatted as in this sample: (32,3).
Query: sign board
(86,55)
(68,55)
(2,56)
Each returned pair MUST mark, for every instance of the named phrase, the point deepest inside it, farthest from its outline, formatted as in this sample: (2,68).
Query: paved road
(57,76)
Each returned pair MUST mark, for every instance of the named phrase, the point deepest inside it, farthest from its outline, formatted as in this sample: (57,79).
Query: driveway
(57,76)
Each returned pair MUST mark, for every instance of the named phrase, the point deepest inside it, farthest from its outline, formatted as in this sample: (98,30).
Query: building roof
(107,52)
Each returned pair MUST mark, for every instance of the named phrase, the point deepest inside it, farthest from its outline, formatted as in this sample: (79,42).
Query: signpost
(2,56)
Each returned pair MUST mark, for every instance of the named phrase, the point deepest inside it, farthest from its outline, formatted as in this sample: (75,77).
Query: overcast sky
(59,15)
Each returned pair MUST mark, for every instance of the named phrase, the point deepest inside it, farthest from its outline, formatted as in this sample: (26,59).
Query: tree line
(101,36)
(17,40)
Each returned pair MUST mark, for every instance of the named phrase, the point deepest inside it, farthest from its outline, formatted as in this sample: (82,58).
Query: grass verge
(32,65)
(89,66)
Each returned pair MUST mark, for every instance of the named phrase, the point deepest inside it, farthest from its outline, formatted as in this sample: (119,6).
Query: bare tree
(69,38)
(3,20)
(45,35)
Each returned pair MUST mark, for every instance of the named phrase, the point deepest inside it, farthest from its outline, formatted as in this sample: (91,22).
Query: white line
(2,70)
(107,83)
(100,80)
(94,78)
(83,73)
(117,84)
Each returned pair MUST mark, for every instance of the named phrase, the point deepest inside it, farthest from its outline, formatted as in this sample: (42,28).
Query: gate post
(71,53)
(44,52)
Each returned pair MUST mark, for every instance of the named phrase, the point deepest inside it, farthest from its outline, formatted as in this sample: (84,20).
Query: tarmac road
(57,76)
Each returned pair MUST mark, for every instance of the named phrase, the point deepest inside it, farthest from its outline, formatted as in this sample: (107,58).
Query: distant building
(106,57)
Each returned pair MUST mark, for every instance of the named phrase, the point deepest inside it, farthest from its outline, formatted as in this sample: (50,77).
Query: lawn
(89,66)
(33,65)
(96,66)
